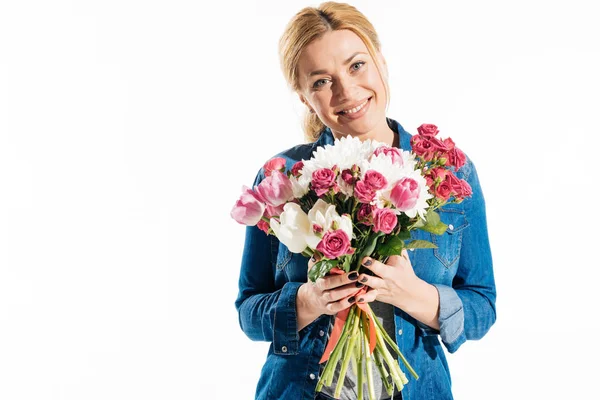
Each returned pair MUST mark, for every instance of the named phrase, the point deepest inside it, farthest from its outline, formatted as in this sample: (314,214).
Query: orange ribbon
(340,320)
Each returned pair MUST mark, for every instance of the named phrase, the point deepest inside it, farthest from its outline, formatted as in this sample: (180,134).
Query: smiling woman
(331,57)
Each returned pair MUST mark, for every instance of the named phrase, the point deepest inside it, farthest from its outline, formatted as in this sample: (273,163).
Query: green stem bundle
(353,348)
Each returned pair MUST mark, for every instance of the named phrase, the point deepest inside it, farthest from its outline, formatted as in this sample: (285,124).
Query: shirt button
(321,333)
(284,349)
(400,332)
(451,227)
(312,376)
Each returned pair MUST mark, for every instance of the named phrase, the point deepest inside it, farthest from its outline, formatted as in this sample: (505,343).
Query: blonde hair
(311,23)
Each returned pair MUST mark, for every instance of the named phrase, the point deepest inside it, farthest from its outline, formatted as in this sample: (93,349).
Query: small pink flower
(249,209)
(297,168)
(385,220)
(274,164)
(439,174)
(334,244)
(375,180)
(263,226)
(444,190)
(465,189)
(405,193)
(275,189)
(322,180)
(348,177)
(365,214)
(392,152)
(456,158)
(449,144)
(363,192)
(428,130)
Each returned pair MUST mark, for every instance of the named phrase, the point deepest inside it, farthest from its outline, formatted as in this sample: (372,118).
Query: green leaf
(420,244)
(392,246)
(434,224)
(321,268)
(369,248)
(404,235)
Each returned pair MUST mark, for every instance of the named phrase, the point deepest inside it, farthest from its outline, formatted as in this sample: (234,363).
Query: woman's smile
(355,112)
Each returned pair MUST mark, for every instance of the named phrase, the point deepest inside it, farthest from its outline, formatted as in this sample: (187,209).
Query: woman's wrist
(421,303)
(305,313)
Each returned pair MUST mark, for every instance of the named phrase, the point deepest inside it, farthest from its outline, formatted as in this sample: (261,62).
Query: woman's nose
(342,89)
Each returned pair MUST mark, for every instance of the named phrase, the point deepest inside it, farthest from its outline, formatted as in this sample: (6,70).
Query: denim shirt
(460,268)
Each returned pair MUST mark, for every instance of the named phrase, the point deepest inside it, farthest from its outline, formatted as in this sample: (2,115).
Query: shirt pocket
(449,243)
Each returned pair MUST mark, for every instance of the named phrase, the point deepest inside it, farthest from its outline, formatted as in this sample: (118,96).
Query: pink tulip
(249,209)
(275,189)
(405,193)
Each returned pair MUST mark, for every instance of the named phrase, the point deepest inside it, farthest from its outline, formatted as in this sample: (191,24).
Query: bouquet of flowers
(355,199)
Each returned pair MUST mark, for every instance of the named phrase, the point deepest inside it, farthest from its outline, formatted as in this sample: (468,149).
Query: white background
(127,129)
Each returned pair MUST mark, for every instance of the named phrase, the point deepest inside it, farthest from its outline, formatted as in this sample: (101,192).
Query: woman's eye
(356,66)
(319,83)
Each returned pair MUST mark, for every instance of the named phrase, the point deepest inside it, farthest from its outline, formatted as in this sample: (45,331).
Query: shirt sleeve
(266,313)
(468,308)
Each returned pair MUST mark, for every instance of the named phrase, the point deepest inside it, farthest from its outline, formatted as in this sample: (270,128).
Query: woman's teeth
(355,109)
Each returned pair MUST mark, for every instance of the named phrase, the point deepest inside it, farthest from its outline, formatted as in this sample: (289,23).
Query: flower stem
(366,353)
(348,354)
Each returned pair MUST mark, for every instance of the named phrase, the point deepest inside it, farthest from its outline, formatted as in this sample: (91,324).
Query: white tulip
(292,228)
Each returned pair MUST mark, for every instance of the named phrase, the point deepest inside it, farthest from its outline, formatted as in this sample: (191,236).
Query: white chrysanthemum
(344,153)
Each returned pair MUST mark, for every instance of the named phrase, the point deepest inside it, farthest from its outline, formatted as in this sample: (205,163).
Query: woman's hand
(328,295)
(396,283)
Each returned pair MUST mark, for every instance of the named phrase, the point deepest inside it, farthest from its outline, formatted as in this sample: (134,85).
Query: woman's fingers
(333,281)
(341,292)
(367,297)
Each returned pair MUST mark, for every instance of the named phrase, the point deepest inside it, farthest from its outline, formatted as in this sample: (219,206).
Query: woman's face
(338,79)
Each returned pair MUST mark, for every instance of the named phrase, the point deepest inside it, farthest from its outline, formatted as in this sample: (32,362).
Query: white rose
(292,228)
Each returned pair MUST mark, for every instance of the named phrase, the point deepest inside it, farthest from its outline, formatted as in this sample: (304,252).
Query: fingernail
(353,275)
(364,279)
(361,300)
(313,259)
(351,300)
(359,285)
(367,262)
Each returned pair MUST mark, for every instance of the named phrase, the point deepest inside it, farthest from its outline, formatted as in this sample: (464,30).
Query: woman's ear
(303,100)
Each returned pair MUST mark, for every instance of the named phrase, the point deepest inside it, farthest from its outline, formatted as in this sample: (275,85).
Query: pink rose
(348,177)
(297,168)
(374,180)
(322,180)
(439,174)
(428,130)
(364,214)
(449,143)
(405,193)
(275,189)
(423,147)
(334,244)
(385,220)
(456,157)
(363,192)
(249,209)
(392,152)
(444,190)
(274,164)
(465,189)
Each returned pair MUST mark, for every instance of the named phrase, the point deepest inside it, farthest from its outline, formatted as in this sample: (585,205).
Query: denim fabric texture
(460,268)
